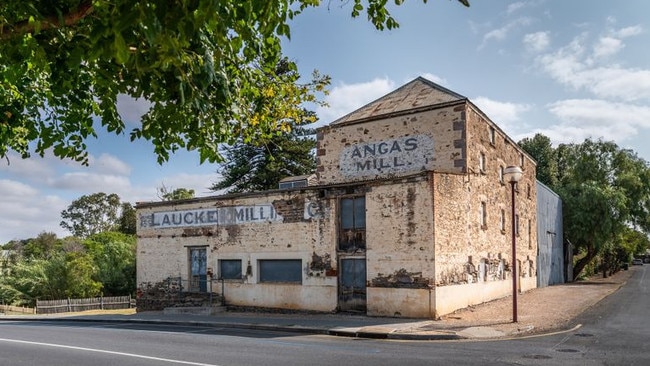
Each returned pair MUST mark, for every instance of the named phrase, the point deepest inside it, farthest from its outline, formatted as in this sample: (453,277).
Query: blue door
(352,284)
(198,270)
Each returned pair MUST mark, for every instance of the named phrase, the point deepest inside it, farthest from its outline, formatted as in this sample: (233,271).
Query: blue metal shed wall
(550,255)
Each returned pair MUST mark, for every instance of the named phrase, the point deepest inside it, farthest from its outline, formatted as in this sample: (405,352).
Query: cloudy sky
(567,69)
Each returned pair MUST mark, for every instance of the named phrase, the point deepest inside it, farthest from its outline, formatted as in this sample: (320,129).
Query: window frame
(269,279)
(220,269)
(356,235)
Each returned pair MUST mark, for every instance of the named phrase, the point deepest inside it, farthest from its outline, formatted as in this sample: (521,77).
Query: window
(483,215)
(492,136)
(501,174)
(352,215)
(481,162)
(293,184)
(503,220)
(530,235)
(230,269)
(528,191)
(280,270)
(521,161)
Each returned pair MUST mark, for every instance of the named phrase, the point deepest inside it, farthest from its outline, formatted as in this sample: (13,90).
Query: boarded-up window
(352,214)
(280,270)
(230,269)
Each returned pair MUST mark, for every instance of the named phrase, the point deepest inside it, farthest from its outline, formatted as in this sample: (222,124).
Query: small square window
(230,269)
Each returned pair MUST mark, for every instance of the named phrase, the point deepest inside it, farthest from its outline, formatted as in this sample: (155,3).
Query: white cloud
(607,46)
(131,110)
(628,31)
(515,7)
(537,42)
(346,98)
(504,114)
(502,33)
(570,66)
(10,189)
(33,169)
(109,164)
(200,183)
(583,118)
(26,211)
(86,183)
(434,78)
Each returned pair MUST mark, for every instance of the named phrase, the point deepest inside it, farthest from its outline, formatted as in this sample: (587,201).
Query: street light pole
(514,174)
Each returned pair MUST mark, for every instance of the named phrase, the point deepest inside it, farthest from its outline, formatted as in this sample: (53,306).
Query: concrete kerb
(338,332)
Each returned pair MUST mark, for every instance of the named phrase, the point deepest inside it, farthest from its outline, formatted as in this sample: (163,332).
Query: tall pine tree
(250,168)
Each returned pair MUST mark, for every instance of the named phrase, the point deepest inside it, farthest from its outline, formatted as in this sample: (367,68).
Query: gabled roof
(416,94)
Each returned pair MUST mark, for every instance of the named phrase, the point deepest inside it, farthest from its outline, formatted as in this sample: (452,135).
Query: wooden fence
(8,309)
(74,305)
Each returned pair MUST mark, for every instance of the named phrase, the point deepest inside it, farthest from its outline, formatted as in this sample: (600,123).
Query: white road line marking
(108,352)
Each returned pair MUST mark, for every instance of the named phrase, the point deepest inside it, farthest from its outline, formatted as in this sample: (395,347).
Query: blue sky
(567,69)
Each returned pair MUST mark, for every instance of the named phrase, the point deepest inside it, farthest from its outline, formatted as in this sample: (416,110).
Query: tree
(205,68)
(41,247)
(91,214)
(606,197)
(165,194)
(64,275)
(113,254)
(605,191)
(128,219)
(256,168)
(540,148)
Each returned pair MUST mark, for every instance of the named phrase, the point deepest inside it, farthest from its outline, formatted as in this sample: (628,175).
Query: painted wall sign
(402,155)
(233,215)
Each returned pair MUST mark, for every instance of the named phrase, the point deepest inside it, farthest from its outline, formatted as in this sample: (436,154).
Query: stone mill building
(408,214)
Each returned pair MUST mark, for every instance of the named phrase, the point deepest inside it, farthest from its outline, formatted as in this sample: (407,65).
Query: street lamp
(513,174)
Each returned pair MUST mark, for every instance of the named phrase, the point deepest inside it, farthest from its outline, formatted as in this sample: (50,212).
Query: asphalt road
(615,332)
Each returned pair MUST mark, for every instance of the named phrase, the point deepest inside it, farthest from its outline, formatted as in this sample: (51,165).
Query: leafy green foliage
(176,194)
(257,168)
(128,219)
(541,149)
(113,254)
(64,275)
(69,268)
(91,214)
(605,192)
(206,68)
(41,247)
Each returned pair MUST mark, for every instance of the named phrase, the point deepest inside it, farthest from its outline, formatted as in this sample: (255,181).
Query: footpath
(540,311)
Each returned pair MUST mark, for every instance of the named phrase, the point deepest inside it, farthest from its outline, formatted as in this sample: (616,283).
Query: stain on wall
(401,279)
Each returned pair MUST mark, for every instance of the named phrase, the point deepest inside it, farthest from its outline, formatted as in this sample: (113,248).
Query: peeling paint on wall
(292,209)
(401,279)
(320,265)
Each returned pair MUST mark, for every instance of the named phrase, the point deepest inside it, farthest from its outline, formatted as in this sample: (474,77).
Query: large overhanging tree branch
(205,68)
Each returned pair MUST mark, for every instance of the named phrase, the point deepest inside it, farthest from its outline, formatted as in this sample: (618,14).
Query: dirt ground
(541,309)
